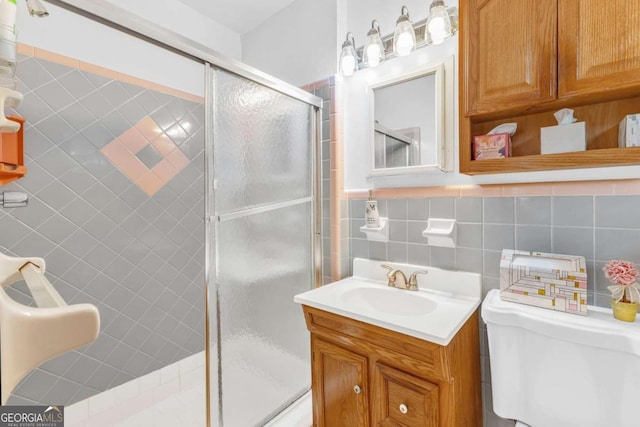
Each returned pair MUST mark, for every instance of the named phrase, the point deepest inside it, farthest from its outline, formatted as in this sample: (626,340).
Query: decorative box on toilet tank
(552,281)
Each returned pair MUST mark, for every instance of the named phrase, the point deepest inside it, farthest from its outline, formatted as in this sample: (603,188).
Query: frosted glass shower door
(263,175)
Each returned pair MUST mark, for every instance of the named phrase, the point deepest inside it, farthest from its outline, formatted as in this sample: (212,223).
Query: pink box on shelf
(496,146)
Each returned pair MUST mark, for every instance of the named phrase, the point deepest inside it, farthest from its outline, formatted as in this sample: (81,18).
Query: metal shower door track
(117,17)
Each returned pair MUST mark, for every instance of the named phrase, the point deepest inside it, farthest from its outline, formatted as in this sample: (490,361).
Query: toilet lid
(521,424)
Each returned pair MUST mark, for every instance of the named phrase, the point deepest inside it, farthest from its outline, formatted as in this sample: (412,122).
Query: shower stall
(193,217)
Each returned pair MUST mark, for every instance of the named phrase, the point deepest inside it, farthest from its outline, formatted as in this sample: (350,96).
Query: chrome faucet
(402,283)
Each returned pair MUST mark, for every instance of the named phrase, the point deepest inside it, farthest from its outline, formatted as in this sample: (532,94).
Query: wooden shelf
(580,159)
(602,121)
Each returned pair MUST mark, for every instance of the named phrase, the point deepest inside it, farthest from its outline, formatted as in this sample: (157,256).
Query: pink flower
(622,273)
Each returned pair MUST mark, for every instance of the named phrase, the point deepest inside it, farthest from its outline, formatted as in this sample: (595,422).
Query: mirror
(408,123)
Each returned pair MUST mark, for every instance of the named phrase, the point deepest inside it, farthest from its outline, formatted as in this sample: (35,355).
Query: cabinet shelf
(541,162)
(602,121)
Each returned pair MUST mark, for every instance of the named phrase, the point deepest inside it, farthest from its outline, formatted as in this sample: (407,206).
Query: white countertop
(435,313)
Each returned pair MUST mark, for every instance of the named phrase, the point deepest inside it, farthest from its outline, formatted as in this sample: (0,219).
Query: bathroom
(157,199)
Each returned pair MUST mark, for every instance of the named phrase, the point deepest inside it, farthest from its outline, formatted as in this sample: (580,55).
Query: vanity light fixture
(453,17)
(373,53)
(37,9)
(348,56)
(439,23)
(404,38)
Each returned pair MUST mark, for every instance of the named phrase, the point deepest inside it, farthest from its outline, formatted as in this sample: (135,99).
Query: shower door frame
(120,19)
(212,220)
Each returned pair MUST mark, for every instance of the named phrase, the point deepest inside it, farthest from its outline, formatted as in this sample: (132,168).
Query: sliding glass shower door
(262,194)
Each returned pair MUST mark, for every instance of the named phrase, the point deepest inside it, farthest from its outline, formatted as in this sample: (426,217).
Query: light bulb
(348,57)
(404,37)
(404,45)
(373,55)
(437,30)
(374,48)
(439,23)
(347,64)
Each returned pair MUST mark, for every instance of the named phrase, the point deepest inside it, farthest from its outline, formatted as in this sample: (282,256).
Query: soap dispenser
(372,215)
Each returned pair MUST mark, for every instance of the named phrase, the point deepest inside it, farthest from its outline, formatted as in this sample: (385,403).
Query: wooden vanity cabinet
(364,375)
(402,399)
(522,60)
(341,386)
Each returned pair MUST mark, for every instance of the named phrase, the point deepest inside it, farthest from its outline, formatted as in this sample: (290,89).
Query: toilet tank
(552,369)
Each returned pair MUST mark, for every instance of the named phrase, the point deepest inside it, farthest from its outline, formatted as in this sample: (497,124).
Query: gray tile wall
(139,259)
(597,227)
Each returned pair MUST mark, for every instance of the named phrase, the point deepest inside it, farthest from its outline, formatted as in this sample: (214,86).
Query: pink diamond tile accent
(133,140)
(148,128)
(163,144)
(121,152)
(150,183)
(164,170)
(124,160)
(178,159)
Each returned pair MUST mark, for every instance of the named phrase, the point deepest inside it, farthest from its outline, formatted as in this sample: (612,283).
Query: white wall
(72,35)
(187,22)
(298,44)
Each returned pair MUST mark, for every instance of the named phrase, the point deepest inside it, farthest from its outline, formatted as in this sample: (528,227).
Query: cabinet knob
(403,408)
(357,389)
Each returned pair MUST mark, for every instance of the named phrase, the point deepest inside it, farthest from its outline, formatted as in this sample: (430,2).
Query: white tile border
(298,414)
(126,404)
(119,403)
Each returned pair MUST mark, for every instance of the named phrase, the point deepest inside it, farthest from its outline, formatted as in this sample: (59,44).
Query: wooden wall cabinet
(511,53)
(363,375)
(521,60)
(599,47)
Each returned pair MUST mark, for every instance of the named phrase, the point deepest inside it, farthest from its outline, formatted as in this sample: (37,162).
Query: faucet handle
(390,275)
(413,280)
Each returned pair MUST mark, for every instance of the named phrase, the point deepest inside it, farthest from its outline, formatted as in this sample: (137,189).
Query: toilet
(553,369)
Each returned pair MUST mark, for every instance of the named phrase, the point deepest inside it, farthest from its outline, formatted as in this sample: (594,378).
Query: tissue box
(563,138)
(552,281)
(496,146)
(629,133)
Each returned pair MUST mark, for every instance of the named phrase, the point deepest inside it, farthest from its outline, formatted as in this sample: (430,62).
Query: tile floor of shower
(175,396)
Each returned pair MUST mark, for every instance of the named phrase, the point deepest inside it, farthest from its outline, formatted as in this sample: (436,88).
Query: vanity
(383,356)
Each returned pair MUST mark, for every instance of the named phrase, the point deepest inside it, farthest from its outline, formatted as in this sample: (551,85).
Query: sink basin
(436,312)
(390,300)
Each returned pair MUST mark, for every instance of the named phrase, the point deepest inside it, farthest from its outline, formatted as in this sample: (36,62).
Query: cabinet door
(340,387)
(402,400)
(599,46)
(510,51)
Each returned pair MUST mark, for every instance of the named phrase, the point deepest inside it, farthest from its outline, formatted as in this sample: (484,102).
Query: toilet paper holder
(29,336)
